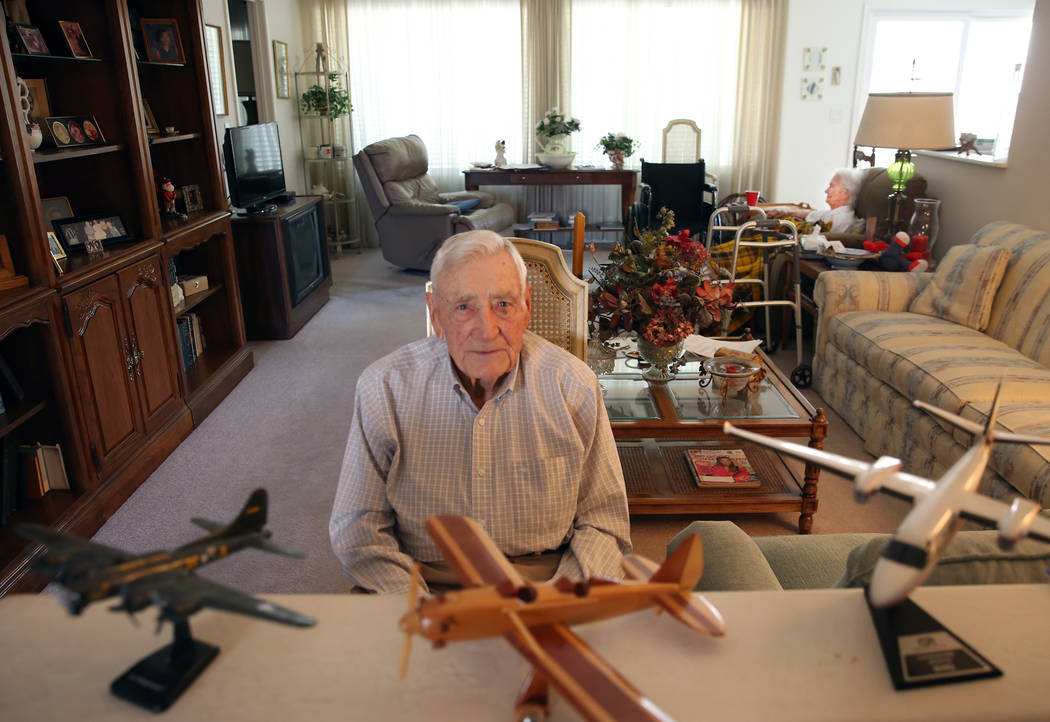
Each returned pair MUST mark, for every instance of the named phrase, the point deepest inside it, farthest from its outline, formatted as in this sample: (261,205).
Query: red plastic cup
(752,198)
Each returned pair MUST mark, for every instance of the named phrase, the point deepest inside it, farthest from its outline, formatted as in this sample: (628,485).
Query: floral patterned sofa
(884,339)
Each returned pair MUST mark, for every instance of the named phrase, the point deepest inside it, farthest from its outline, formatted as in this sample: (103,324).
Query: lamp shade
(914,121)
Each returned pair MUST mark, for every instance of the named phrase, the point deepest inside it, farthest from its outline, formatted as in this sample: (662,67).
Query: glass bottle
(924,226)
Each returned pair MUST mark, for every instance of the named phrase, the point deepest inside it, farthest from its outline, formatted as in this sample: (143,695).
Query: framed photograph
(75,39)
(32,40)
(39,103)
(191,197)
(151,123)
(74,234)
(7,266)
(814,58)
(57,252)
(57,208)
(74,130)
(216,69)
(280,68)
(163,44)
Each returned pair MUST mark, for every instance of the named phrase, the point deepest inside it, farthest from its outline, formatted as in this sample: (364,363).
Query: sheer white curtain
(636,65)
(447,70)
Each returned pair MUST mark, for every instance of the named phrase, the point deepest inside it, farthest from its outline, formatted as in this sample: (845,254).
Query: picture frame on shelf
(151,122)
(216,69)
(75,39)
(58,253)
(39,102)
(282,81)
(80,233)
(31,39)
(74,130)
(56,208)
(191,198)
(163,44)
(7,265)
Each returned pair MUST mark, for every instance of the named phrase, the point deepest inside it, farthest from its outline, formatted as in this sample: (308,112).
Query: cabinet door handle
(129,360)
(137,355)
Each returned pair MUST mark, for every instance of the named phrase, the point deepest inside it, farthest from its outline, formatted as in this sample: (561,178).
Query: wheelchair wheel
(802,376)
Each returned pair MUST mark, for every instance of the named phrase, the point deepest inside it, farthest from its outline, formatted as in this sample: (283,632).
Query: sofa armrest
(487,199)
(419,208)
(840,291)
(732,561)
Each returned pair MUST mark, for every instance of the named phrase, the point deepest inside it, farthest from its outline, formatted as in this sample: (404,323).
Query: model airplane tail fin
(251,520)
(684,566)
(989,427)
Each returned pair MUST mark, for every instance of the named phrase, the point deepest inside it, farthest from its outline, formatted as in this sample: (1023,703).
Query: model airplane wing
(181,592)
(473,556)
(692,610)
(587,681)
(884,472)
(61,547)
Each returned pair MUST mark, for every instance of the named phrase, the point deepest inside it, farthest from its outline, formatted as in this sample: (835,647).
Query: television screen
(254,167)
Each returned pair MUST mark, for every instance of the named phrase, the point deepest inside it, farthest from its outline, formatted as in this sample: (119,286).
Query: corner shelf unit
(91,342)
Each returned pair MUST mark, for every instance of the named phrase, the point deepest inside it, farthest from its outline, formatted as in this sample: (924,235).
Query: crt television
(254,168)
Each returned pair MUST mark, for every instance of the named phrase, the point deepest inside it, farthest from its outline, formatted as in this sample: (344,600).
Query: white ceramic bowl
(556,160)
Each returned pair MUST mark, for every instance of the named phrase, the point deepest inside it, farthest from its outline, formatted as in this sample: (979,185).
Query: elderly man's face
(836,194)
(481,310)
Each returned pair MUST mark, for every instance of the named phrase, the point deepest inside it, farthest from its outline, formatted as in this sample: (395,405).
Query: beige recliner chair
(411,217)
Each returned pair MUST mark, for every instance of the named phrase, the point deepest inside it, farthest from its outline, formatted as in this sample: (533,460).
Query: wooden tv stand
(264,268)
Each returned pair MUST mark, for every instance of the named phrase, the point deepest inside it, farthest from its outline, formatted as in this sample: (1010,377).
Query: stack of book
(544,221)
(44,471)
(191,339)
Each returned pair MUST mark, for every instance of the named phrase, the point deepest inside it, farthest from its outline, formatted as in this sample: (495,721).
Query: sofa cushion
(732,560)
(972,557)
(808,561)
(964,285)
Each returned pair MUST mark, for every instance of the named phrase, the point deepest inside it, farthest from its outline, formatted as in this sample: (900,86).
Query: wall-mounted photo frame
(812,87)
(74,130)
(216,69)
(814,58)
(191,198)
(76,234)
(39,102)
(280,69)
(58,253)
(163,44)
(55,209)
(75,39)
(31,39)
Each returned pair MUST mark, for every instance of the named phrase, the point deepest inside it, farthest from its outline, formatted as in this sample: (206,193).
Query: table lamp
(907,122)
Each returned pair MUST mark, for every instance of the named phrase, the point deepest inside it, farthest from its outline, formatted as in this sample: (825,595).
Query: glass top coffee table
(656,423)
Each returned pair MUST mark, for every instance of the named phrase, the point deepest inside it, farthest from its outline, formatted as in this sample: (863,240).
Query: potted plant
(617,146)
(554,130)
(336,102)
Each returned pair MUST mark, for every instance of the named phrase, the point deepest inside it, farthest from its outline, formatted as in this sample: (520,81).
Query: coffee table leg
(818,431)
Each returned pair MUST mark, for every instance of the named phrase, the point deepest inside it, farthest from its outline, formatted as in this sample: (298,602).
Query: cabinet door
(105,372)
(151,340)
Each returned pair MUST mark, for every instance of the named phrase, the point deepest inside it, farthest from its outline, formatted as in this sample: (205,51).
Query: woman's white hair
(470,245)
(849,178)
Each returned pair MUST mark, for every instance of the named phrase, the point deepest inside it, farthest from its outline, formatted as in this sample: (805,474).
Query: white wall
(283,21)
(817,135)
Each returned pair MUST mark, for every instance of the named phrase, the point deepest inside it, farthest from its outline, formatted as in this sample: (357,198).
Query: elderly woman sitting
(840,194)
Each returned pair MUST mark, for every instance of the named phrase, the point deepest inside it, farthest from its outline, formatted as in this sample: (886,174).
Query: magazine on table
(722,468)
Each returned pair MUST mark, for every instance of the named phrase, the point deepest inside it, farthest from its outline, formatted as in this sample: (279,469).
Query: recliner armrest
(418,208)
(487,199)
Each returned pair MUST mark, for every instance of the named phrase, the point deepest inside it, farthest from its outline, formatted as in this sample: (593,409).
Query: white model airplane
(940,505)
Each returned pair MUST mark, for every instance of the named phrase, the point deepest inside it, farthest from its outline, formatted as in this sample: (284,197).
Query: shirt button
(481,422)
(481,472)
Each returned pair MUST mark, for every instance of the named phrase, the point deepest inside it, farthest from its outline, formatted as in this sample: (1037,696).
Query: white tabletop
(796,655)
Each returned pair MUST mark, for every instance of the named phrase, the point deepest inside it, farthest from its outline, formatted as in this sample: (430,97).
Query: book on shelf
(44,469)
(725,468)
(198,334)
(542,216)
(546,225)
(186,342)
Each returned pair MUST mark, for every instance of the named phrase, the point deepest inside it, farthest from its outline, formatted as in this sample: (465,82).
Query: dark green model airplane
(89,572)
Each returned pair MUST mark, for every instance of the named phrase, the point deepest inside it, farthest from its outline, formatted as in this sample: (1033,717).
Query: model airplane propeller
(89,572)
(535,619)
(939,506)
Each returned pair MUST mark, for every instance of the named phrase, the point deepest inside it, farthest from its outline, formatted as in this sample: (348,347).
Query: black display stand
(156,681)
(921,652)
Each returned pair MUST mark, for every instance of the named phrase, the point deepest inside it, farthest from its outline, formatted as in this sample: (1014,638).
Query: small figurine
(166,189)
(967,144)
(501,160)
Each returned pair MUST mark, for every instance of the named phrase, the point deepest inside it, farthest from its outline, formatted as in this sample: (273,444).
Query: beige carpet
(284,428)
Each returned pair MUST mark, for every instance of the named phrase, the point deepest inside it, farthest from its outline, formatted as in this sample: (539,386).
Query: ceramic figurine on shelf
(501,160)
(166,189)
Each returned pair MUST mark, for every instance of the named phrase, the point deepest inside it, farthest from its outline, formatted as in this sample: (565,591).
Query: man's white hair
(470,245)
(849,178)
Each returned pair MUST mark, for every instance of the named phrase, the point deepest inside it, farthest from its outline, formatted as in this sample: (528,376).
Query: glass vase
(616,157)
(658,358)
(924,226)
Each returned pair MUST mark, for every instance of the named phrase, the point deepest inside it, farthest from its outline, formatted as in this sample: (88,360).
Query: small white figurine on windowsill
(501,160)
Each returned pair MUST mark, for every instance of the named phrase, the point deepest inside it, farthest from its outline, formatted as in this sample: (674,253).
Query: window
(978,57)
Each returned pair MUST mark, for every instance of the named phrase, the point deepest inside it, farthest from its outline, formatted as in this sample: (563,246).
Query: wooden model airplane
(89,572)
(496,600)
(940,505)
